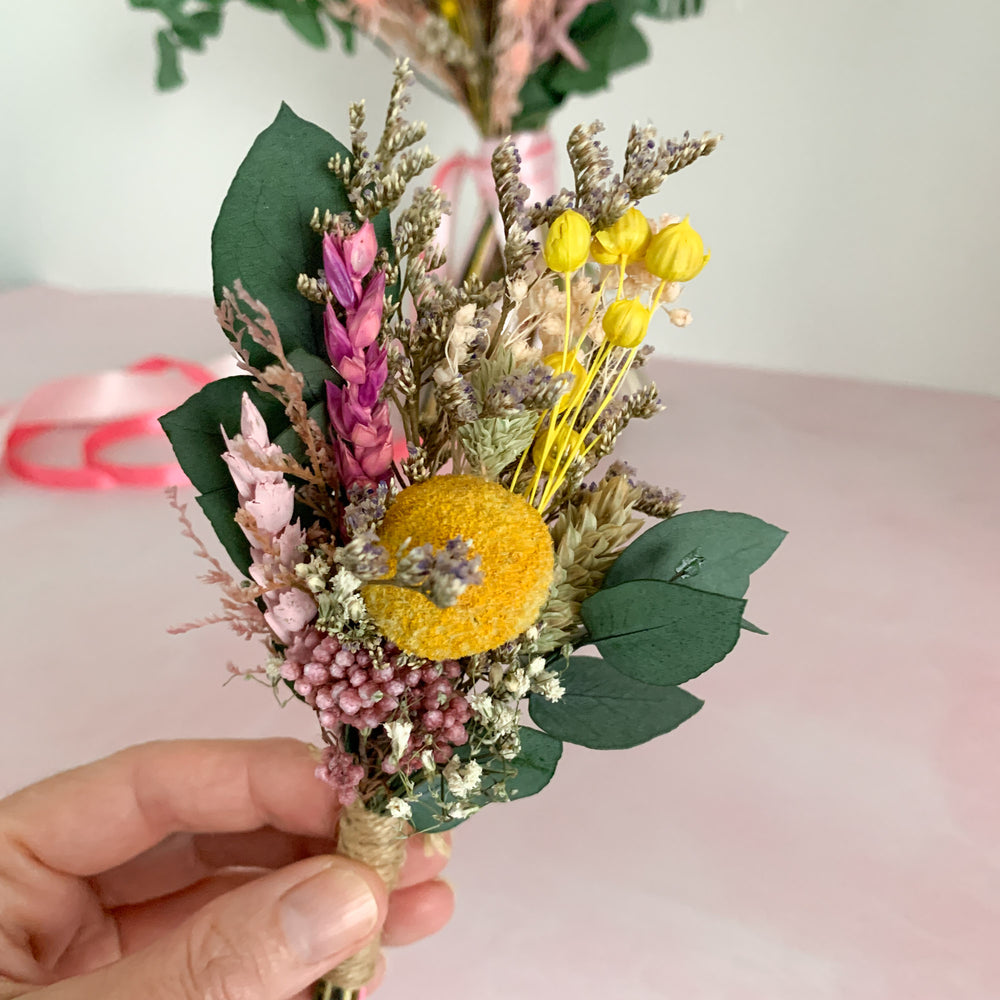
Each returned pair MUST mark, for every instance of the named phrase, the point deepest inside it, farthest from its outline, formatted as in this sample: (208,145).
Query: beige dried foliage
(588,536)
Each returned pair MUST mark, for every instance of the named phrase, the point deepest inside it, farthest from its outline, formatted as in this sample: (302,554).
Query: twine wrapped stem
(379,842)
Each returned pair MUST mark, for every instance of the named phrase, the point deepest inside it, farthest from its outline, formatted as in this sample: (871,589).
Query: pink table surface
(828,827)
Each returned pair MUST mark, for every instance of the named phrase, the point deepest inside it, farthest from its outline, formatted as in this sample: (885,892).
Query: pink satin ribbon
(119,405)
(538,172)
(116,405)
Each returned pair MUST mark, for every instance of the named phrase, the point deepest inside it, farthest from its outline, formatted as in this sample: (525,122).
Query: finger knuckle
(217,965)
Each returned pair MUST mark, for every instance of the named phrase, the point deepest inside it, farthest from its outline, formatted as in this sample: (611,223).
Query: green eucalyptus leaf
(606,710)
(608,41)
(305,22)
(263,237)
(535,764)
(750,627)
(710,550)
(346,30)
(660,633)
(208,22)
(168,73)
(605,35)
(188,32)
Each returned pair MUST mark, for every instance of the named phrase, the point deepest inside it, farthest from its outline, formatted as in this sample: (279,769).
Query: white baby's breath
(399,808)
(463,779)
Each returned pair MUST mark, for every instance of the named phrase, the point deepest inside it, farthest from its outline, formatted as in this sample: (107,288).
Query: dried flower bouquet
(406,477)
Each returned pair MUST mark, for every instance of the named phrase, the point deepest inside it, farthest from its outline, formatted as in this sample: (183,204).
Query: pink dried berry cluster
(347,688)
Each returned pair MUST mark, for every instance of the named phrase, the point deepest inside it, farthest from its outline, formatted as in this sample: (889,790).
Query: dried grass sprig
(377,179)
(240,611)
(281,381)
(589,533)
(601,195)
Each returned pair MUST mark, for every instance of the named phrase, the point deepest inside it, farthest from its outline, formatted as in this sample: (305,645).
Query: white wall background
(852,211)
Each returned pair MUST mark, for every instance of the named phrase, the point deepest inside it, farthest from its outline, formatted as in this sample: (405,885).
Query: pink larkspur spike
(360,250)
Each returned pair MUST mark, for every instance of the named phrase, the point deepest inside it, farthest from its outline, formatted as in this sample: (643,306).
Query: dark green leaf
(669,9)
(188,34)
(316,373)
(208,22)
(306,24)
(346,30)
(168,73)
(750,627)
(535,766)
(262,235)
(537,102)
(660,633)
(606,710)
(608,41)
(710,550)
(219,507)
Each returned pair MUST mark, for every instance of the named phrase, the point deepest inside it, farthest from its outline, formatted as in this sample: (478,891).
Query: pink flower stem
(360,418)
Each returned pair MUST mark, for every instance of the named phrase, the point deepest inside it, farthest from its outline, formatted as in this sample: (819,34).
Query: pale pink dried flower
(267,504)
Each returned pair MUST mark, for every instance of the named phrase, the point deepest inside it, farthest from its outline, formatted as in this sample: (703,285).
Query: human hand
(194,870)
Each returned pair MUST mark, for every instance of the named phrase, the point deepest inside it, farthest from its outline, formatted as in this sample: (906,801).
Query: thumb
(267,940)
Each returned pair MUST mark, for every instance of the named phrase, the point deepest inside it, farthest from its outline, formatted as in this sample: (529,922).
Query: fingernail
(328,914)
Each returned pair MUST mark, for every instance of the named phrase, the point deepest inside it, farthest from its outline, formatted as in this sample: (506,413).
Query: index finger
(90,819)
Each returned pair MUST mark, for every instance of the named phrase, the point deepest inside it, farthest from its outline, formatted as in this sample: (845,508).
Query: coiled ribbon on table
(114,406)
(126,404)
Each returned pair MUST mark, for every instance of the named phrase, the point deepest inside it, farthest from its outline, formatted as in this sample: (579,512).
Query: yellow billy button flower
(625,323)
(572,396)
(561,443)
(503,529)
(627,238)
(676,253)
(567,245)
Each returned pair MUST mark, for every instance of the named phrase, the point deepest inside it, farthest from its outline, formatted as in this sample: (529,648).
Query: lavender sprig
(441,575)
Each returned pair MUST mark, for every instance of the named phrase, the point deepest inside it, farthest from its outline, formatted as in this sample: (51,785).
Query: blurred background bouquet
(509,64)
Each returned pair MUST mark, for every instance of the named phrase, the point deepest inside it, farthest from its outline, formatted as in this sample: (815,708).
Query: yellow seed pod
(567,245)
(627,238)
(625,323)
(676,253)
(561,444)
(579,373)
(451,11)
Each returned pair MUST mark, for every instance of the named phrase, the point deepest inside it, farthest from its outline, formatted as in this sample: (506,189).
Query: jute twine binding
(378,841)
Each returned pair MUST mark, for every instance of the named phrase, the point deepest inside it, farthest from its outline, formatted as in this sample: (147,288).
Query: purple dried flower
(364,557)
(366,508)
(441,575)
(656,501)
